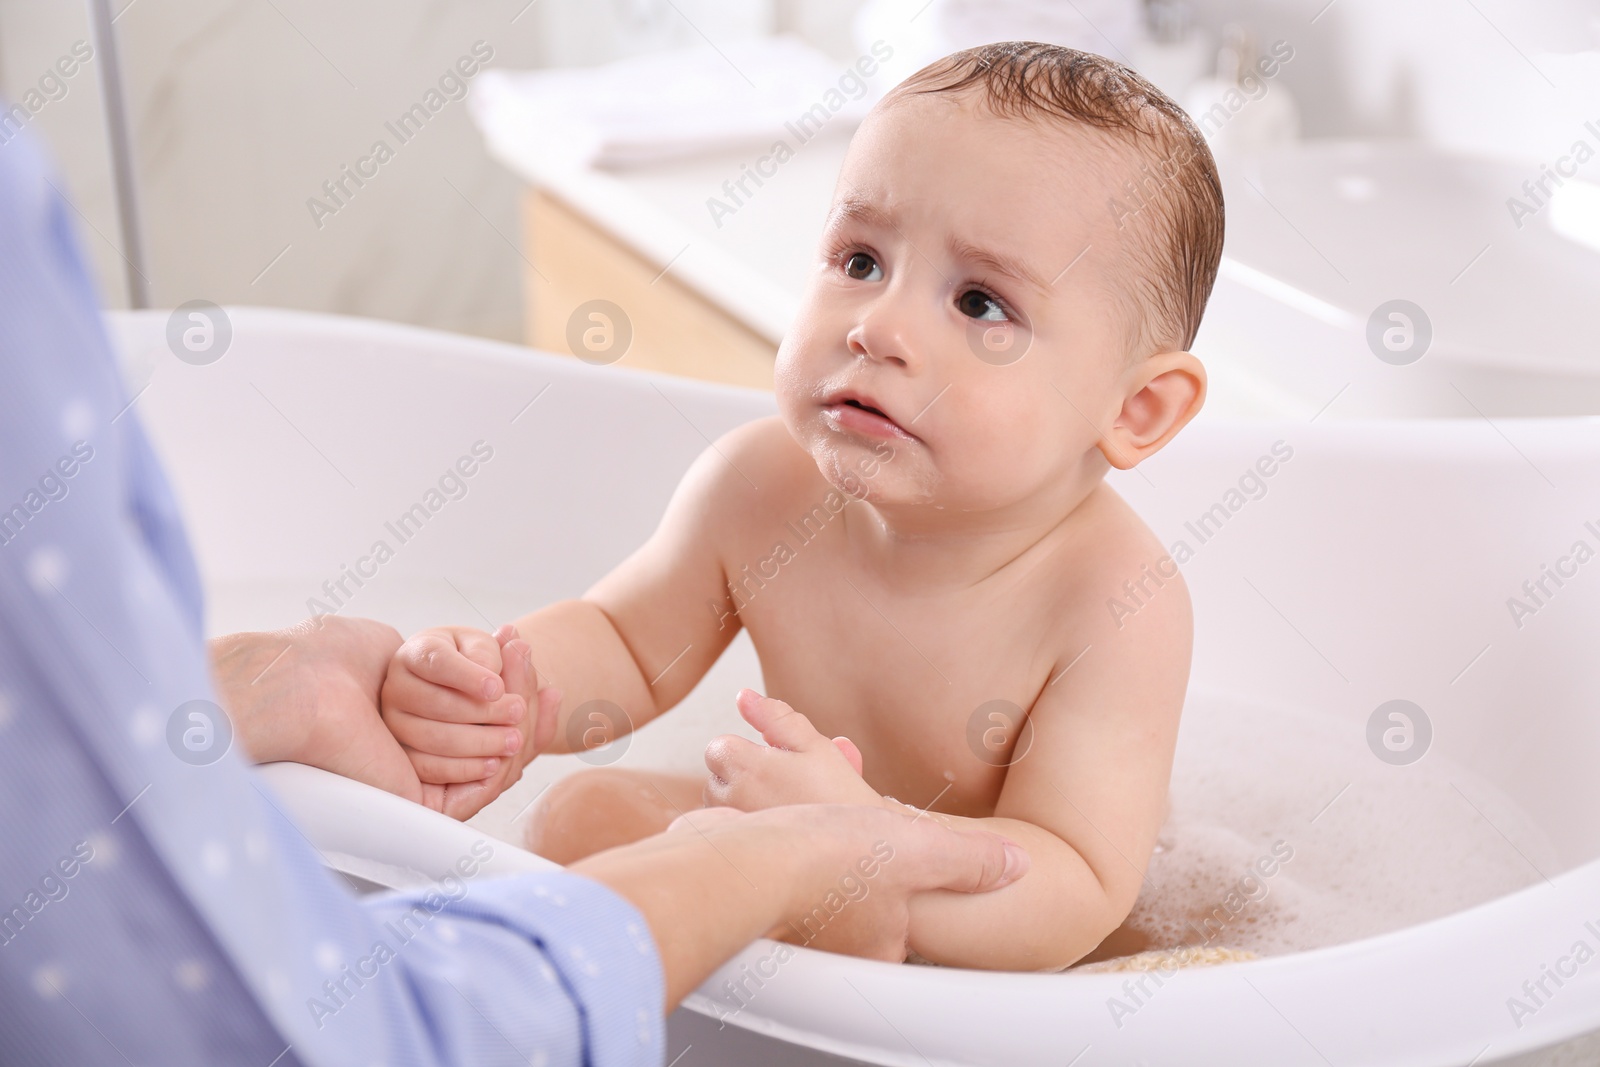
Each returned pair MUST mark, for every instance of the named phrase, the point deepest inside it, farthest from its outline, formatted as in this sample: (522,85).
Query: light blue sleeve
(157,911)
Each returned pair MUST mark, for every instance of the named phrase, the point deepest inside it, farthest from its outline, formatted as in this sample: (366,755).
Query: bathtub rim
(335,812)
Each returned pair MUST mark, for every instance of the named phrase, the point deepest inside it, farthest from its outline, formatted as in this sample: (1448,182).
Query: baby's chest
(933,692)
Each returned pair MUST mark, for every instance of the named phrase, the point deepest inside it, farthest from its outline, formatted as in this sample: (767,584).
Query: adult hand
(718,878)
(309,694)
(856,902)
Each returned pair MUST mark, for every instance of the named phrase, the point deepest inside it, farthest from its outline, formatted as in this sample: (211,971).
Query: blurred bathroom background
(240,110)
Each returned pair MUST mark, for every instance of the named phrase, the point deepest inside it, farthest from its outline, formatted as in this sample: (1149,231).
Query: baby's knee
(600,794)
(593,810)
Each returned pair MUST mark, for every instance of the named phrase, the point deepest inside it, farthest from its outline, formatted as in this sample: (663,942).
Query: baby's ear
(1162,393)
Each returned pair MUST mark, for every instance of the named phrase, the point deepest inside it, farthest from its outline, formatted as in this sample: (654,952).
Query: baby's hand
(458,699)
(796,766)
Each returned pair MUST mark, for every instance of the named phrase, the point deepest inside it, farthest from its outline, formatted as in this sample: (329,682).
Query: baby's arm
(646,633)
(1086,800)
(639,639)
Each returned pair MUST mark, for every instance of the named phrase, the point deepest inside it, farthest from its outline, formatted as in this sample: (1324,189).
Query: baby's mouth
(858,414)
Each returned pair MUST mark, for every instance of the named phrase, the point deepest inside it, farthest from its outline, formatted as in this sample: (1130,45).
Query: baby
(921,544)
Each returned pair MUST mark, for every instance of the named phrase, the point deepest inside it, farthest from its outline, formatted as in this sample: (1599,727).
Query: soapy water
(1285,833)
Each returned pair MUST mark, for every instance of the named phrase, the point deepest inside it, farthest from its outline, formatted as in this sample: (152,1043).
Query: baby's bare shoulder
(1110,567)
(757,472)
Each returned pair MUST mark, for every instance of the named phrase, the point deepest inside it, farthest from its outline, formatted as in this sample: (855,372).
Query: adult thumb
(975,861)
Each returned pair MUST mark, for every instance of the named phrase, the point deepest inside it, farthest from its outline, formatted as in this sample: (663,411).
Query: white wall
(242,109)
(1453,72)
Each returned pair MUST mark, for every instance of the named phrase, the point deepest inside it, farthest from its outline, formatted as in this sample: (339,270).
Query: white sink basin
(1321,235)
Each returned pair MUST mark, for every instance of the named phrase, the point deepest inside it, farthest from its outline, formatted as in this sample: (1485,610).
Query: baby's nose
(878,339)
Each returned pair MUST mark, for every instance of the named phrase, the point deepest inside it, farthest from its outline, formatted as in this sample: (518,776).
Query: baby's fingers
(456,661)
(727,754)
(452,739)
(851,752)
(727,758)
(450,770)
(780,725)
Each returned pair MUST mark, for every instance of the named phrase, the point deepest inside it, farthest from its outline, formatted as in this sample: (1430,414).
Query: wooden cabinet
(674,329)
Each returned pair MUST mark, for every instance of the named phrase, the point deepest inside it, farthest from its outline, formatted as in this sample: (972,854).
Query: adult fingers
(452,739)
(968,861)
(514,646)
(516,666)
(546,719)
(466,800)
(433,796)
(780,725)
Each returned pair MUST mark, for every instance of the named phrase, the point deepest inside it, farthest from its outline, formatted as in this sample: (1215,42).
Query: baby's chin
(881,473)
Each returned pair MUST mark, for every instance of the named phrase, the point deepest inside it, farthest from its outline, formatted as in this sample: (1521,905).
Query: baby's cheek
(1040,416)
(997,420)
(787,387)
(799,365)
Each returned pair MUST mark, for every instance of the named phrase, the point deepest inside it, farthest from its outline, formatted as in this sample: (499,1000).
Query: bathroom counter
(709,276)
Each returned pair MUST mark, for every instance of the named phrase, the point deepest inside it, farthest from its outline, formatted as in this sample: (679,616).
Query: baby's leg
(590,811)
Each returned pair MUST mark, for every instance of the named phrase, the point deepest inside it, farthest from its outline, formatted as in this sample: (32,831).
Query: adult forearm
(719,879)
(1050,919)
(237,660)
(673,879)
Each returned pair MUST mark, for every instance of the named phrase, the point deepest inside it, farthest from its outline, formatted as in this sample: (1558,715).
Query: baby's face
(961,309)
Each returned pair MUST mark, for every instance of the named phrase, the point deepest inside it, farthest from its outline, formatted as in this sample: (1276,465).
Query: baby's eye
(977,304)
(863,268)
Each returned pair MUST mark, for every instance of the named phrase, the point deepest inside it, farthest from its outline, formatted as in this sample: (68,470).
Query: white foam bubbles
(1355,847)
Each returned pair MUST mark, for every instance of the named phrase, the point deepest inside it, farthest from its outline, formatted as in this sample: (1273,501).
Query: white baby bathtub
(1376,566)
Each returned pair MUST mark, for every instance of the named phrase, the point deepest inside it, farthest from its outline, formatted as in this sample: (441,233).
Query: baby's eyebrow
(999,262)
(857,209)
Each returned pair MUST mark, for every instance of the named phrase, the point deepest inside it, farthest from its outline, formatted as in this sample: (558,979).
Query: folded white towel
(670,104)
